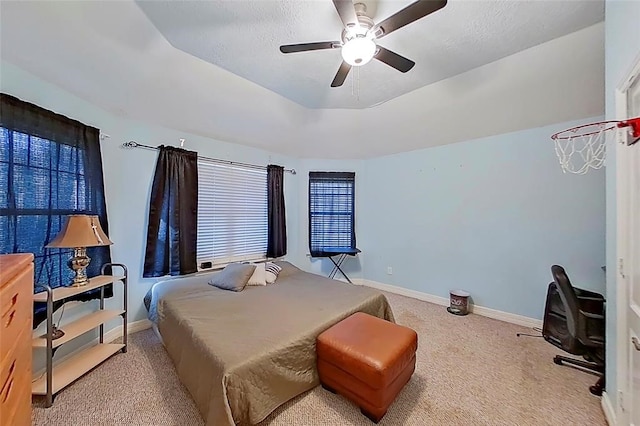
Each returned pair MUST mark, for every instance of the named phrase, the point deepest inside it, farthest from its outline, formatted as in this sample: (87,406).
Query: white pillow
(272,270)
(259,276)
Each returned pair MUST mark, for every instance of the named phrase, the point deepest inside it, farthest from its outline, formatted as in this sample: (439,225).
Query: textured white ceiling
(243,37)
(109,54)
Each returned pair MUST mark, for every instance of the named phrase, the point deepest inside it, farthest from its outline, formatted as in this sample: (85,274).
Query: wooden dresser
(16,310)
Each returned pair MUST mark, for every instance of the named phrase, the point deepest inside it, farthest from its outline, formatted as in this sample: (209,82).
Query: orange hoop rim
(571,133)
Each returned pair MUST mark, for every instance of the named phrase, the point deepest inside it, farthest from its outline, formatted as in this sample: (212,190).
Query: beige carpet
(470,371)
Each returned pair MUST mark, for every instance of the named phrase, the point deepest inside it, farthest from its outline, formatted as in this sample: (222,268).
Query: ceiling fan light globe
(358,51)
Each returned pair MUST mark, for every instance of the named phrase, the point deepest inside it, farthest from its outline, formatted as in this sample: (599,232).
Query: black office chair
(584,311)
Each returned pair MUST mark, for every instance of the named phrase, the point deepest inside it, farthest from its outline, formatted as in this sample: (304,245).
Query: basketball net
(585,147)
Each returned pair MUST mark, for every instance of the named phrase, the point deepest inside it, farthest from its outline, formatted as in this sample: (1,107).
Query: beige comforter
(241,355)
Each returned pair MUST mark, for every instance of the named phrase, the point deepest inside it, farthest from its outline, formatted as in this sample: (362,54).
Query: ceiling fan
(360,36)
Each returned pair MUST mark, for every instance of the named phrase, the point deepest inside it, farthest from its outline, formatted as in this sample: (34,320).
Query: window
(50,167)
(232,213)
(47,181)
(331,210)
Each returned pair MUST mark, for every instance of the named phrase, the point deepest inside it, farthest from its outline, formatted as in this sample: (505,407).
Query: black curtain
(173,214)
(50,167)
(277,227)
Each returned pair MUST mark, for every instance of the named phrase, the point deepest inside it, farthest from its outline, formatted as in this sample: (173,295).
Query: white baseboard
(443,301)
(507,317)
(132,327)
(607,408)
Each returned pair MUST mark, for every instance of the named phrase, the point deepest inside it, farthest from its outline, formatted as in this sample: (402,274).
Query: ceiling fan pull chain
(355,83)
(358,84)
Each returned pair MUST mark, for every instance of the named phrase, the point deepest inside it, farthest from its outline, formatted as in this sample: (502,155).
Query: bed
(243,354)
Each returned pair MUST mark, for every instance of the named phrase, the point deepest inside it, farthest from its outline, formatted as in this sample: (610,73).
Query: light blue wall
(622,46)
(489,216)
(128,173)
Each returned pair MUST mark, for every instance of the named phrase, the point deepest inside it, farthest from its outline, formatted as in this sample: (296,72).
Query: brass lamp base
(78,263)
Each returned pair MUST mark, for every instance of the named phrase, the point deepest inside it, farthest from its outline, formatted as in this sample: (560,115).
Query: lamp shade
(81,231)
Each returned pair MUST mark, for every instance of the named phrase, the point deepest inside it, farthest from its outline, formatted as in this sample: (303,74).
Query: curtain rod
(134,144)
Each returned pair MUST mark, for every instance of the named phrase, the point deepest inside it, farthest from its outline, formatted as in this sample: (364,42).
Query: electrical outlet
(389,270)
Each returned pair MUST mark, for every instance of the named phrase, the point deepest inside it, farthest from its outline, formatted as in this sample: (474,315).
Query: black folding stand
(341,254)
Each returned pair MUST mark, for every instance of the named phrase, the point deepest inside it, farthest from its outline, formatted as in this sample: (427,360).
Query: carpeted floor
(470,371)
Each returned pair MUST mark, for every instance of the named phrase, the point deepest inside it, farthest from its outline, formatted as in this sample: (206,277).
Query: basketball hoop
(584,147)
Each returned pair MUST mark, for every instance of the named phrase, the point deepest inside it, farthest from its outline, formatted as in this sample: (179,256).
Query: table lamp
(79,232)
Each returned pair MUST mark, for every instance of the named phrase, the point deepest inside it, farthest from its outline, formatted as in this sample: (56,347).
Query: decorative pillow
(233,277)
(272,270)
(287,268)
(259,276)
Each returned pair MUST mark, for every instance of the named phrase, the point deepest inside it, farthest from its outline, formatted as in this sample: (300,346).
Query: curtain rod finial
(130,144)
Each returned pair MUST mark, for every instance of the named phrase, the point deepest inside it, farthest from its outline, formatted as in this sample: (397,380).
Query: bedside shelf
(60,293)
(78,327)
(61,374)
(74,367)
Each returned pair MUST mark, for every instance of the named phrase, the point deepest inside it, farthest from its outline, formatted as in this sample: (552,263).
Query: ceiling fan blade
(341,75)
(413,12)
(394,60)
(346,11)
(305,47)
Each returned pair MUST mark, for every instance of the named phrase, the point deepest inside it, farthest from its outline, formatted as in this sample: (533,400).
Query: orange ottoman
(367,360)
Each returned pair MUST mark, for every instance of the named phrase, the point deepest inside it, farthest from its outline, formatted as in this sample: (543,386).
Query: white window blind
(232,213)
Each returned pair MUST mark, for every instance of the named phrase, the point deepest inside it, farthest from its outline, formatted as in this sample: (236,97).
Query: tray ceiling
(243,37)
(109,54)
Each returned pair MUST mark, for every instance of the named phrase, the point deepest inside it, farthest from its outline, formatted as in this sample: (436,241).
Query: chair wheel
(596,390)
(557,360)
